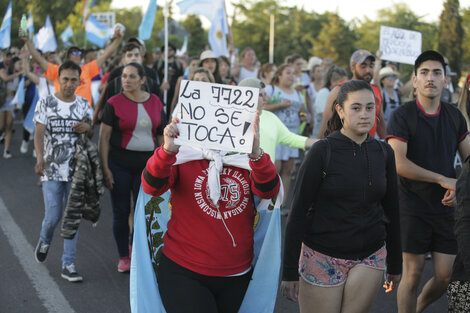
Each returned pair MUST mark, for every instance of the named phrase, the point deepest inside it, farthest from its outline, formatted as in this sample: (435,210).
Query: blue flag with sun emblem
(150,224)
(218,32)
(97,33)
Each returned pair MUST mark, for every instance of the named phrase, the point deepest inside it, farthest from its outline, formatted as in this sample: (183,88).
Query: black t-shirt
(433,147)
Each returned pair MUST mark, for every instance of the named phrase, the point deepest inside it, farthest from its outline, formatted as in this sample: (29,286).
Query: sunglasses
(76,52)
(391,77)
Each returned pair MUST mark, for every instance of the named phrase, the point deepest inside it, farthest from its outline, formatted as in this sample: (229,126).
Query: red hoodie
(197,238)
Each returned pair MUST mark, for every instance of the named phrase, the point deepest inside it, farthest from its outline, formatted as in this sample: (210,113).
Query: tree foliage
(450,34)
(197,35)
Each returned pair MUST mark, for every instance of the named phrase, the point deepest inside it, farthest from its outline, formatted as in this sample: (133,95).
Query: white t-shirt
(244,73)
(59,137)
(44,89)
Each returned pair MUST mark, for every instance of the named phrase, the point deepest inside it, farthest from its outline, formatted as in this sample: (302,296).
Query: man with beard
(59,119)
(425,134)
(362,67)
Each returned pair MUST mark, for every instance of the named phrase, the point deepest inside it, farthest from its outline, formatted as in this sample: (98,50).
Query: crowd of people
(351,220)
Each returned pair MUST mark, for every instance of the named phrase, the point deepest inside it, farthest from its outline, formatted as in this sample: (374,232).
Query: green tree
(466,38)
(197,35)
(450,34)
(335,41)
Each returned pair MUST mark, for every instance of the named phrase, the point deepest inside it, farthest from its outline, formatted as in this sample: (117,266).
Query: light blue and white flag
(45,38)
(218,33)
(18,100)
(97,33)
(30,24)
(150,224)
(28,123)
(207,8)
(184,47)
(5,29)
(66,34)
(146,26)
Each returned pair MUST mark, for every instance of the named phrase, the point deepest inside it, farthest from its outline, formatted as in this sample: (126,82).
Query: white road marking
(47,289)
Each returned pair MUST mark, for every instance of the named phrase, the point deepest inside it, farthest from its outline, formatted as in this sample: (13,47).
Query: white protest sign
(215,116)
(399,45)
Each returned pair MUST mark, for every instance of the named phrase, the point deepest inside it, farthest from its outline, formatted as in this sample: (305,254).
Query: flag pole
(165,76)
(229,37)
(271,38)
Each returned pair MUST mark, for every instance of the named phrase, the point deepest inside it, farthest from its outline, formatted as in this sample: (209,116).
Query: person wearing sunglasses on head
(74,54)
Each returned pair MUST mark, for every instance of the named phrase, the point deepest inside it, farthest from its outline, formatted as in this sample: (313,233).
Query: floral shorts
(319,269)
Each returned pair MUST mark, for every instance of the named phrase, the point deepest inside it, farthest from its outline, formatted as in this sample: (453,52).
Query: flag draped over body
(150,224)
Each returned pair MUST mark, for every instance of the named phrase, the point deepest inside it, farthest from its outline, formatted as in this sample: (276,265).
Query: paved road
(26,286)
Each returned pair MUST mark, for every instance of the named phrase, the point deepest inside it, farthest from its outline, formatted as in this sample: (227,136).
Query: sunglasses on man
(76,52)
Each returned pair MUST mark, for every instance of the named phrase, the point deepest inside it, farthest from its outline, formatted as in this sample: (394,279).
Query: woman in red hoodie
(208,247)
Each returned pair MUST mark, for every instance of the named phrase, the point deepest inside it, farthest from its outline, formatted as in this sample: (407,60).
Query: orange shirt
(89,71)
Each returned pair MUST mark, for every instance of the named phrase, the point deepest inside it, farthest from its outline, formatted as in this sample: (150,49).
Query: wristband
(259,156)
(168,151)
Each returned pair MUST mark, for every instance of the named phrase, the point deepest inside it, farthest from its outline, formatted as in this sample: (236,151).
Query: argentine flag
(217,33)
(207,8)
(146,26)
(18,99)
(5,30)
(97,33)
(45,38)
(66,34)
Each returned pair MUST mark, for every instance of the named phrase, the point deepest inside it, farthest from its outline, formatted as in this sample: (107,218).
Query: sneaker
(41,251)
(71,274)
(6,154)
(24,147)
(124,264)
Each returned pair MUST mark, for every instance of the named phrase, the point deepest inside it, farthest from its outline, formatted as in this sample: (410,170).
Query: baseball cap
(360,56)
(252,82)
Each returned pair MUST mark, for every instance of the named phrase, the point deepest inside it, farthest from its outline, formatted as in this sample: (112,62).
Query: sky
(347,9)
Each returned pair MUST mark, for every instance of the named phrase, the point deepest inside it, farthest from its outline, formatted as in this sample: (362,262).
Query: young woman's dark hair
(216,74)
(280,69)
(139,67)
(11,66)
(429,55)
(335,122)
(334,72)
(69,65)
(292,58)
(203,70)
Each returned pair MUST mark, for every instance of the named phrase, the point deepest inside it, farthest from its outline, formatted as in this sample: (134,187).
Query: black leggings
(183,290)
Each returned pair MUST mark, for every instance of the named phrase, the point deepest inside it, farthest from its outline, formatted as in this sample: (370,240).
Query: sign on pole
(400,45)
(215,116)
(105,18)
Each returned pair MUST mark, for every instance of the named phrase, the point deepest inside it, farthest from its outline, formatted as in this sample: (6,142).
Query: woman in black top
(344,223)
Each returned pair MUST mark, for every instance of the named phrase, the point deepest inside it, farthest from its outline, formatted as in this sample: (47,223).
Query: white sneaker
(6,154)
(24,147)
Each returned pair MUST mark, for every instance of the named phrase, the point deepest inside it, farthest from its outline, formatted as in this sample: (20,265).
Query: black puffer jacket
(351,212)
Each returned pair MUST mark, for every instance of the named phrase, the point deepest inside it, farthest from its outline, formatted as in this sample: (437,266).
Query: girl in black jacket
(343,230)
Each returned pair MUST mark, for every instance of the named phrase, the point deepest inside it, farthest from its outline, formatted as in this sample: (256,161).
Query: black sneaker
(40,253)
(71,274)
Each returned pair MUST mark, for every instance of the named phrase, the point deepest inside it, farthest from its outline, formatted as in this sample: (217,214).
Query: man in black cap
(362,67)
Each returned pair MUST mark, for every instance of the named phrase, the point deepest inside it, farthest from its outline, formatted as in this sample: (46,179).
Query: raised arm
(24,55)
(111,48)
(35,53)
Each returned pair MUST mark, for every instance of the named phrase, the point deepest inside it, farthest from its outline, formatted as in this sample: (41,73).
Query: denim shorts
(321,270)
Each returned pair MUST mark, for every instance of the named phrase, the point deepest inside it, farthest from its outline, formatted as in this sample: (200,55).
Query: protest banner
(215,116)
(399,45)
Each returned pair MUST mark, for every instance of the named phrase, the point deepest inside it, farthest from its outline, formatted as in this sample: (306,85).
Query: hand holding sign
(214,116)
(169,134)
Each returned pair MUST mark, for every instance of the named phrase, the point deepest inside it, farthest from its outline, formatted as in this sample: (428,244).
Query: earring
(342,121)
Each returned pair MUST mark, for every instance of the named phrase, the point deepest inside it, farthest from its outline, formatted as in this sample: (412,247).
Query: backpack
(412,114)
